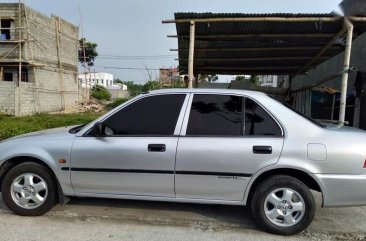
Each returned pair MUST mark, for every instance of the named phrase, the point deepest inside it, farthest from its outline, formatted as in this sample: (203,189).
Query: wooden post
(347,57)
(17,85)
(60,70)
(191,54)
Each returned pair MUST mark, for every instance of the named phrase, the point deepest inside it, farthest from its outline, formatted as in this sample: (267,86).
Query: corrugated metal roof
(259,47)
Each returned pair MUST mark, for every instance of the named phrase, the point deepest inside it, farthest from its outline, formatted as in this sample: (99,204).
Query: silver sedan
(201,146)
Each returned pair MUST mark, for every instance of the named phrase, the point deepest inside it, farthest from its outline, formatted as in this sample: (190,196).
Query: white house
(97,78)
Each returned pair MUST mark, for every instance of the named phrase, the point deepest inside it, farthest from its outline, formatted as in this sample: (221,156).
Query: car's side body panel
(220,167)
(123,165)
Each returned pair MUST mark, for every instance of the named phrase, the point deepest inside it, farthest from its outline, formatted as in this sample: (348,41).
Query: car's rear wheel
(283,205)
(28,189)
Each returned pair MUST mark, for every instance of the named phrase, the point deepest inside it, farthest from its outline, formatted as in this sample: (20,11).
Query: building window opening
(5,29)
(24,75)
(8,77)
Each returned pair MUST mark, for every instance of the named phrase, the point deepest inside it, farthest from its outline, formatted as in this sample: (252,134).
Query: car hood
(55,132)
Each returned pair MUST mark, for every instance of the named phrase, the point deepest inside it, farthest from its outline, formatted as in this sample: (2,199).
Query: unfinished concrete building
(38,61)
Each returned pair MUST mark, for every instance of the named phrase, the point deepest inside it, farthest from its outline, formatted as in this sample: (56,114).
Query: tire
(283,205)
(28,189)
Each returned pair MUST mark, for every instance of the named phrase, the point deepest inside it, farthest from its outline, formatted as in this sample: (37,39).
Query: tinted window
(154,115)
(258,121)
(216,115)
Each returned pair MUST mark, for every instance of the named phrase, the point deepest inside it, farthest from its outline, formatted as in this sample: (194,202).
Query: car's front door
(136,153)
(222,146)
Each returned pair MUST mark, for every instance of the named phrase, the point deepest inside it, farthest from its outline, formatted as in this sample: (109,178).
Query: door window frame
(183,132)
(178,125)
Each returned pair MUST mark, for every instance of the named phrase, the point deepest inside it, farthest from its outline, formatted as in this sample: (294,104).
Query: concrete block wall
(49,90)
(7,97)
(27,99)
(56,47)
(117,94)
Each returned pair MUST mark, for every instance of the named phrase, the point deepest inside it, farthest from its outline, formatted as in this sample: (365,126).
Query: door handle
(262,149)
(156,147)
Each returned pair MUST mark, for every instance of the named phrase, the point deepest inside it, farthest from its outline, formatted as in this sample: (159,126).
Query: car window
(217,115)
(152,115)
(258,122)
(298,112)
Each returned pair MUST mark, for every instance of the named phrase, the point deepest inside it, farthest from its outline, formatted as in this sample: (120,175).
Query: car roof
(213,91)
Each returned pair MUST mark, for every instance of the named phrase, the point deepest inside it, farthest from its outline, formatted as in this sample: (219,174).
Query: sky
(129,33)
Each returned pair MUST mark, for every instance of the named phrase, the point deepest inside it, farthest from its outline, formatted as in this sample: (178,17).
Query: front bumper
(342,190)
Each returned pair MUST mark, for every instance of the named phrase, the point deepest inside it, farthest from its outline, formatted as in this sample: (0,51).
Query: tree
(208,77)
(87,52)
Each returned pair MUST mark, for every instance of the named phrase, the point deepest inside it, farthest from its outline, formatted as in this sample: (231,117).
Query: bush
(116,103)
(101,93)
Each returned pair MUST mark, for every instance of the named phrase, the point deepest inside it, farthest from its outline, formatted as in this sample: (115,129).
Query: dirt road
(106,219)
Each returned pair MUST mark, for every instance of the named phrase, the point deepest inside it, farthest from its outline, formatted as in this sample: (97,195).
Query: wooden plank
(254,49)
(325,48)
(256,59)
(258,35)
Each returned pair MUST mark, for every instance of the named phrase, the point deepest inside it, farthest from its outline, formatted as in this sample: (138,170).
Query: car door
(136,153)
(225,139)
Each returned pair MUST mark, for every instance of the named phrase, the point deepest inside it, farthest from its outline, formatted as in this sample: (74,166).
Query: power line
(138,56)
(127,68)
(150,57)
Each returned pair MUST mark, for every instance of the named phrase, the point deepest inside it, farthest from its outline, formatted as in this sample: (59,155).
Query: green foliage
(116,103)
(253,79)
(178,84)
(90,52)
(101,93)
(208,77)
(13,126)
(133,89)
(151,85)
(240,78)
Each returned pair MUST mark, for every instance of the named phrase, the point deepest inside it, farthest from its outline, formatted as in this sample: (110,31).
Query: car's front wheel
(28,189)
(283,205)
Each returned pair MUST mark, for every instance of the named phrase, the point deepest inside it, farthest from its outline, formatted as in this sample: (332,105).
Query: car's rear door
(136,154)
(218,151)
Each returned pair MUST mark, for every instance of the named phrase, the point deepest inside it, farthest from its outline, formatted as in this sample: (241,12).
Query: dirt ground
(108,219)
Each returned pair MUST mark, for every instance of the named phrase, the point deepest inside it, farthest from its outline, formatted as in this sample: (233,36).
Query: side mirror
(97,128)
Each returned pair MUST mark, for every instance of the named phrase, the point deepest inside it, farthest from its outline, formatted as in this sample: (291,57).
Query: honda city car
(206,146)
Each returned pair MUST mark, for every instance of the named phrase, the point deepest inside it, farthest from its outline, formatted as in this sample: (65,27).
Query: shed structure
(263,44)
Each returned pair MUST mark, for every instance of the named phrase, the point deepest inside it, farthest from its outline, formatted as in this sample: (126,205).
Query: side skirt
(160,199)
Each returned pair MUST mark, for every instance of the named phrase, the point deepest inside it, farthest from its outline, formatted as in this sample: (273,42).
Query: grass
(12,126)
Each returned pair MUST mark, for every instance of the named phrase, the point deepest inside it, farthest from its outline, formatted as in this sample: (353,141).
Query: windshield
(298,112)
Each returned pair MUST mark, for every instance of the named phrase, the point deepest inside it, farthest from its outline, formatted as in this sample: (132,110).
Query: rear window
(299,113)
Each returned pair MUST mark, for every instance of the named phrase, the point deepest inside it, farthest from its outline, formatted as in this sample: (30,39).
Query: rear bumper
(340,190)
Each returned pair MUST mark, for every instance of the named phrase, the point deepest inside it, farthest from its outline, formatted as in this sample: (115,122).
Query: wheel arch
(14,161)
(301,175)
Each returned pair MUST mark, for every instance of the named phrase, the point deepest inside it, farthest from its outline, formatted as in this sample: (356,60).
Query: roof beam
(255,59)
(254,19)
(244,68)
(276,35)
(325,48)
(253,49)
